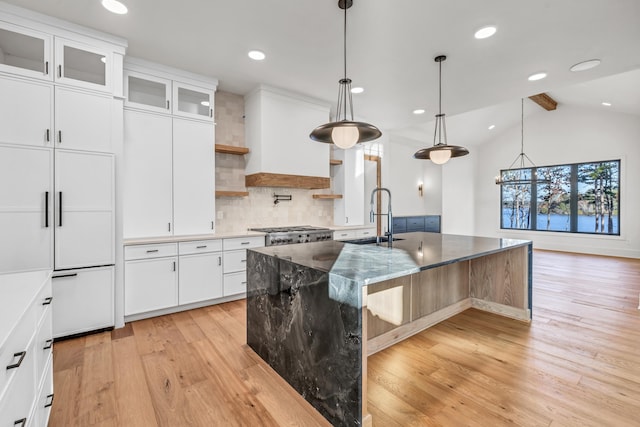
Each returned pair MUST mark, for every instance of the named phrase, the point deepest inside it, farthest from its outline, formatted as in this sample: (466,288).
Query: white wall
(458,196)
(566,135)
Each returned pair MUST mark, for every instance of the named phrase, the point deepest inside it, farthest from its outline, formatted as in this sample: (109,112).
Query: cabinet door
(83,300)
(83,121)
(26,112)
(148,178)
(192,101)
(25,52)
(150,285)
(193,177)
(148,92)
(200,277)
(349,181)
(84,205)
(82,65)
(26,208)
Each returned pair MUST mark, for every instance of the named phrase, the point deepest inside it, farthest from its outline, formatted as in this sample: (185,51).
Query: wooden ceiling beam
(545,101)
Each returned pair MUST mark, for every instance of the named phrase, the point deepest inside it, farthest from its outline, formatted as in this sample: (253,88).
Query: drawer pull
(219,260)
(151,251)
(201,247)
(49,401)
(48,344)
(343,235)
(21,423)
(47,300)
(243,260)
(243,283)
(22,354)
(245,243)
(65,275)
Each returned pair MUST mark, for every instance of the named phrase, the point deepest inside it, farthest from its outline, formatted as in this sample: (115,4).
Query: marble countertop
(173,239)
(368,264)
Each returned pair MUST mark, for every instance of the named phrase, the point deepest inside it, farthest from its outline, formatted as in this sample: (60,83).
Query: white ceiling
(391,46)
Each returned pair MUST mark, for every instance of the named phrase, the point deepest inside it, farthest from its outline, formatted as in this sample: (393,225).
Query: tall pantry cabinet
(61,88)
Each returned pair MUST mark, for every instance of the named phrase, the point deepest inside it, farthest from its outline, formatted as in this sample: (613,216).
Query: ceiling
(391,46)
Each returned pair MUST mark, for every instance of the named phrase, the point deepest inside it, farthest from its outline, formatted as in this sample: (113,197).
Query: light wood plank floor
(577,364)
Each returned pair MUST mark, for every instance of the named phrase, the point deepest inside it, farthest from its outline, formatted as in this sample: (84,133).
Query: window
(575,198)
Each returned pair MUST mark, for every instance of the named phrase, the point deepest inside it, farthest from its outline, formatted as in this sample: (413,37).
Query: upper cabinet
(82,65)
(156,89)
(26,52)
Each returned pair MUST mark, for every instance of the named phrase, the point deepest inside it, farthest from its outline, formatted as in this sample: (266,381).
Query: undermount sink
(370,240)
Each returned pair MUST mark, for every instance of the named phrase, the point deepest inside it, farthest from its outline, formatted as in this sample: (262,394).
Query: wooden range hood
(265,179)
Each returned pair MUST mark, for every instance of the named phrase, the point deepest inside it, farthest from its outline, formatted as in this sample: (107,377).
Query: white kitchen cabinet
(82,65)
(84,300)
(200,277)
(348,180)
(235,262)
(192,101)
(83,120)
(345,234)
(84,205)
(25,52)
(26,208)
(150,284)
(193,177)
(27,116)
(147,91)
(148,177)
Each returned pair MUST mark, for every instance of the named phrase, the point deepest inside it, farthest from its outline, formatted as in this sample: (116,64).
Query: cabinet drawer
(43,302)
(17,342)
(45,397)
(44,342)
(235,283)
(366,232)
(19,395)
(415,223)
(345,234)
(243,243)
(399,225)
(235,261)
(432,224)
(150,251)
(200,246)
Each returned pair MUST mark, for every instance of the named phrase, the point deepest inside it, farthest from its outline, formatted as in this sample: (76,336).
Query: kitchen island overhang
(315,311)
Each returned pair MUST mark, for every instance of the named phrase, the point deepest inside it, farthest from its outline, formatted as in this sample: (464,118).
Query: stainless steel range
(294,234)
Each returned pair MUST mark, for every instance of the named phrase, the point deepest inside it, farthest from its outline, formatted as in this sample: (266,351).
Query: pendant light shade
(344,131)
(440,152)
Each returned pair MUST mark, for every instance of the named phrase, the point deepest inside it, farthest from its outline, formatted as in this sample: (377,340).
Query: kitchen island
(315,311)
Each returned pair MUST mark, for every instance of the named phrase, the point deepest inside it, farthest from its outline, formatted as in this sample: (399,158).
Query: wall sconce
(420,189)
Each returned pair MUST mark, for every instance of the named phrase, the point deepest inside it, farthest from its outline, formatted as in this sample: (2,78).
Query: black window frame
(573,199)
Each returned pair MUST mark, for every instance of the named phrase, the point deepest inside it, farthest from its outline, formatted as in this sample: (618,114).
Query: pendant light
(441,152)
(516,176)
(345,132)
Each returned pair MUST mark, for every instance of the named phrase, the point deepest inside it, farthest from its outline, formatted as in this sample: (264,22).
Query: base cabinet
(84,300)
(235,263)
(200,277)
(150,285)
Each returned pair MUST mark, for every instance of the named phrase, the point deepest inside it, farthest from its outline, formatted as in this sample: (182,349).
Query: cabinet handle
(60,209)
(22,422)
(59,137)
(151,251)
(169,225)
(212,225)
(201,247)
(243,283)
(210,112)
(245,243)
(65,275)
(174,266)
(219,260)
(243,260)
(47,346)
(344,235)
(46,209)
(167,104)
(47,300)
(60,71)
(48,137)
(347,221)
(49,401)
(22,354)
(46,68)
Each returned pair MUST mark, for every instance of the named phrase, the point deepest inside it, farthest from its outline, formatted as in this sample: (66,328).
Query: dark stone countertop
(368,264)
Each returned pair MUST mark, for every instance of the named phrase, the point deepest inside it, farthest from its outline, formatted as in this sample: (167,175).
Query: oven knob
(289,240)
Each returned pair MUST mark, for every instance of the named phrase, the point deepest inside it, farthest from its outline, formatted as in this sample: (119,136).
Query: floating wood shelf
(334,162)
(231,149)
(227,193)
(327,196)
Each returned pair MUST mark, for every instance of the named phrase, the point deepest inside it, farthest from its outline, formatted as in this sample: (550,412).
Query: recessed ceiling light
(357,89)
(418,111)
(114,6)
(537,76)
(205,103)
(485,32)
(103,59)
(606,104)
(257,55)
(492,127)
(585,65)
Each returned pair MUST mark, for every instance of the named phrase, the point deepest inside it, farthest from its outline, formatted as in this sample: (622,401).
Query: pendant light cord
(440,89)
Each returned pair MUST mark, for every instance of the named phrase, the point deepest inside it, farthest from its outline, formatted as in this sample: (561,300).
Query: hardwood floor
(577,364)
